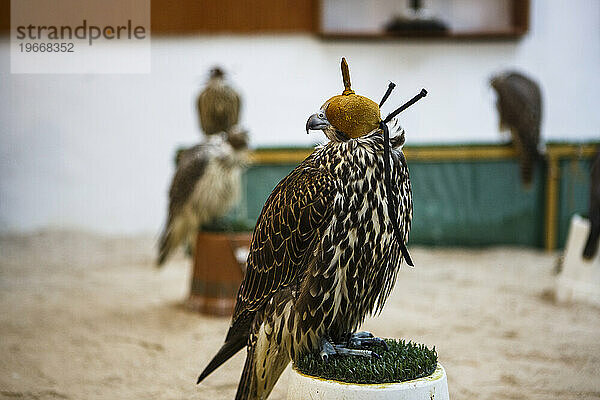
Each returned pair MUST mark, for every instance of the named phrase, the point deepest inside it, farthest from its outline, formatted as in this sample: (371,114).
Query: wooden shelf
(184,17)
(479,35)
(517,25)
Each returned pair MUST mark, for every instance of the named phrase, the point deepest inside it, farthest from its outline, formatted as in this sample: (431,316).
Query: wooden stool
(219,266)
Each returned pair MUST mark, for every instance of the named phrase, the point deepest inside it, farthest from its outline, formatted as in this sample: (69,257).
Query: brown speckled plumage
(520,107)
(205,186)
(327,245)
(218,105)
(323,257)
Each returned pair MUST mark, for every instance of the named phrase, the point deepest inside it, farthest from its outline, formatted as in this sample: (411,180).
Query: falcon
(205,186)
(591,245)
(519,104)
(218,104)
(326,248)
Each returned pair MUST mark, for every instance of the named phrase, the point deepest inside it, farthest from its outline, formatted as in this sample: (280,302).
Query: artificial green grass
(403,361)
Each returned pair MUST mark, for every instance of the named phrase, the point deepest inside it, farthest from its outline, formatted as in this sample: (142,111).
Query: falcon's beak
(317,121)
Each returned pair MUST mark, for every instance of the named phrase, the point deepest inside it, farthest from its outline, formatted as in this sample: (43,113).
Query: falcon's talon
(362,335)
(327,349)
(343,350)
(366,339)
(382,343)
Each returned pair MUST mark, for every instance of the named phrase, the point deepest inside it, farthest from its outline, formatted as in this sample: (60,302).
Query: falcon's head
(237,138)
(216,72)
(347,115)
(519,101)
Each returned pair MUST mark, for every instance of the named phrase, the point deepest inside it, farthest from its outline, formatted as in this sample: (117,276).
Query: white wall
(95,151)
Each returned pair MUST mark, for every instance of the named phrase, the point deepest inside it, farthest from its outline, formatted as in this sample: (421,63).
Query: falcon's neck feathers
(372,141)
(335,135)
(338,136)
(216,82)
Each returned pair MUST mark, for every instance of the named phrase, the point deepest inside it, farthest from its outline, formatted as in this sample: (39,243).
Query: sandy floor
(88,317)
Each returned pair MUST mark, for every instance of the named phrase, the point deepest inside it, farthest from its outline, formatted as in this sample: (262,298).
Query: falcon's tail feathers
(243,391)
(177,231)
(591,246)
(164,247)
(228,349)
(527,165)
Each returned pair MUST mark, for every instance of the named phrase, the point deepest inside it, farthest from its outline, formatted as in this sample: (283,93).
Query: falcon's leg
(359,339)
(366,339)
(327,349)
(190,248)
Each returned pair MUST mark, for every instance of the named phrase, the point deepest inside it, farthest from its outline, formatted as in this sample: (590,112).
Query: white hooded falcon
(206,185)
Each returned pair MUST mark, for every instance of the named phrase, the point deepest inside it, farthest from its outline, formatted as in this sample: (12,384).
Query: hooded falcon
(205,186)
(519,104)
(218,104)
(326,248)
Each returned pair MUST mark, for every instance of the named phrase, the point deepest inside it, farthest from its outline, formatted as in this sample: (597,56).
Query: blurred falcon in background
(205,186)
(519,104)
(591,245)
(326,248)
(218,104)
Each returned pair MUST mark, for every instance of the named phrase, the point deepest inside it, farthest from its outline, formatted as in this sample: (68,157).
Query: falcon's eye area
(317,121)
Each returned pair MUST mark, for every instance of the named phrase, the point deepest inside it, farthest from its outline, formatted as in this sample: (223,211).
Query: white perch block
(580,278)
(432,387)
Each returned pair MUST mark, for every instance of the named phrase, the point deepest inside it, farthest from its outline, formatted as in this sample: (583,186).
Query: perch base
(432,387)
(218,270)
